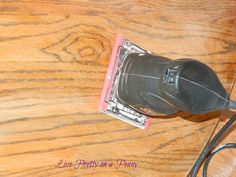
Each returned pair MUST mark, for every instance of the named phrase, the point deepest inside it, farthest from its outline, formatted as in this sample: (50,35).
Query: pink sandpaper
(110,74)
(107,87)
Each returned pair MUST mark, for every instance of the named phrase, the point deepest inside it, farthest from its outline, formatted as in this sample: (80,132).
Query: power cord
(208,151)
(220,148)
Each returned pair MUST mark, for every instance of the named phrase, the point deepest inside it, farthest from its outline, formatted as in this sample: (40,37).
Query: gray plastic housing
(155,85)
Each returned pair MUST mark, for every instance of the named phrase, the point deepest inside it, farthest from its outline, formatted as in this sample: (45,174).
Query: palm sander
(140,84)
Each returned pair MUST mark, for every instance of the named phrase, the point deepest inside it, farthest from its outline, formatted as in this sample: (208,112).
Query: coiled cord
(208,151)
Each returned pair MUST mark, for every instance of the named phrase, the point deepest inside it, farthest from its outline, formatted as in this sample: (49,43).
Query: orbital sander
(140,84)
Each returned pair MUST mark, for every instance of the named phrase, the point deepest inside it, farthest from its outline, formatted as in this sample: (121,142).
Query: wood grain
(53,59)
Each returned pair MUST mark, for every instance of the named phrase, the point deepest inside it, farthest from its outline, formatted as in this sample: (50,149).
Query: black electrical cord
(208,152)
(220,148)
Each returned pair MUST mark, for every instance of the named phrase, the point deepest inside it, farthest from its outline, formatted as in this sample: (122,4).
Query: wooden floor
(53,59)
